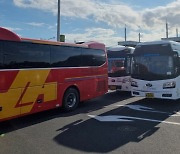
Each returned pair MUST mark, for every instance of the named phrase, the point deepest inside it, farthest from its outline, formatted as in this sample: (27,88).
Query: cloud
(105,36)
(45,5)
(36,24)
(155,17)
(115,15)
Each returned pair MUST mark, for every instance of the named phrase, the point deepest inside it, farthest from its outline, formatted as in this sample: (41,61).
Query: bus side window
(1,56)
(62,56)
(99,57)
(93,57)
(19,55)
(10,54)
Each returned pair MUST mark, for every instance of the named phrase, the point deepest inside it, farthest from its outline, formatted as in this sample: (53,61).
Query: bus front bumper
(156,94)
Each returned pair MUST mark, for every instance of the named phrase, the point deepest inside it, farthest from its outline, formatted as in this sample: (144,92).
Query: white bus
(119,65)
(156,70)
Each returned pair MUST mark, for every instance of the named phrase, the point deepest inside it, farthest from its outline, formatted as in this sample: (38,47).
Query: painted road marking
(116,118)
(148,109)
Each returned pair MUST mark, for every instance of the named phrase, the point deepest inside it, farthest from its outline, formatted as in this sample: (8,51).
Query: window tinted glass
(93,57)
(99,57)
(25,55)
(118,54)
(1,56)
(17,55)
(153,49)
(62,56)
(153,67)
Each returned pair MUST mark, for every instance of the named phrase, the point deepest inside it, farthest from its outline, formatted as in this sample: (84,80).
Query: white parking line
(148,109)
(117,118)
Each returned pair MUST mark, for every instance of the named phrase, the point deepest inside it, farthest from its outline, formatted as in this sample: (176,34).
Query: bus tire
(70,99)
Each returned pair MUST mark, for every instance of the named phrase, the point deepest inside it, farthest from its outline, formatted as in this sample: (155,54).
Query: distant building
(128,43)
(176,39)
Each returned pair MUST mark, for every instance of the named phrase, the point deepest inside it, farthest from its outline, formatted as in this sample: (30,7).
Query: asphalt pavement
(113,123)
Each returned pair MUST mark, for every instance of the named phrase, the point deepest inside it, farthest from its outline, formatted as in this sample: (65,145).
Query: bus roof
(119,48)
(51,42)
(174,45)
(157,42)
(116,48)
(8,35)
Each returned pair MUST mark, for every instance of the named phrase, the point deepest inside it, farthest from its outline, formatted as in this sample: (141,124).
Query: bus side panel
(73,77)
(87,80)
(8,101)
(9,95)
(64,78)
(101,81)
(39,98)
(28,93)
(97,85)
(101,85)
(6,79)
(39,94)
(38,90)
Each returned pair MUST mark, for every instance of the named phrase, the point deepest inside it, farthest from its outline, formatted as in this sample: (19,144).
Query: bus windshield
(153,67)
(117,61)
(115,65)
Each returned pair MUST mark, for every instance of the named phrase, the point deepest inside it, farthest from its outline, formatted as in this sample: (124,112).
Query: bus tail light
(171,84)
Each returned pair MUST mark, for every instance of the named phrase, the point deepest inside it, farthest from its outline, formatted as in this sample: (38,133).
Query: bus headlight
(171,84)
(134,84)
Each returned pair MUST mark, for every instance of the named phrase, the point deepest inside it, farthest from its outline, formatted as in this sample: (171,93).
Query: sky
(92,20)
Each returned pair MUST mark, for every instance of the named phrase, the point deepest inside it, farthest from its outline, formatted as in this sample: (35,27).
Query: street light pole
(58,22)
(166,29)
(125,37)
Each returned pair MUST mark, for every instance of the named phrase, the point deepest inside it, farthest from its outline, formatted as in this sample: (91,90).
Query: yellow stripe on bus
(36,87)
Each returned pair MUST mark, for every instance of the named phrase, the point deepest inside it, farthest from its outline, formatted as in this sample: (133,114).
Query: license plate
(112,87)
(149,95)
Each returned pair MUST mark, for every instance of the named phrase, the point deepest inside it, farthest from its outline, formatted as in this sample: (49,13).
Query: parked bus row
(37,75)
(153,69)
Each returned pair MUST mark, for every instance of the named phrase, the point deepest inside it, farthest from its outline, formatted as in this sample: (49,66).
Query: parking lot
(113,123)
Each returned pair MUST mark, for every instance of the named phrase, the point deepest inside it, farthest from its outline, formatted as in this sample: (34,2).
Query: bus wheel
(71,99)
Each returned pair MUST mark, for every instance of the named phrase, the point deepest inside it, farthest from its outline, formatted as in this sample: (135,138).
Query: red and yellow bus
(38,75)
